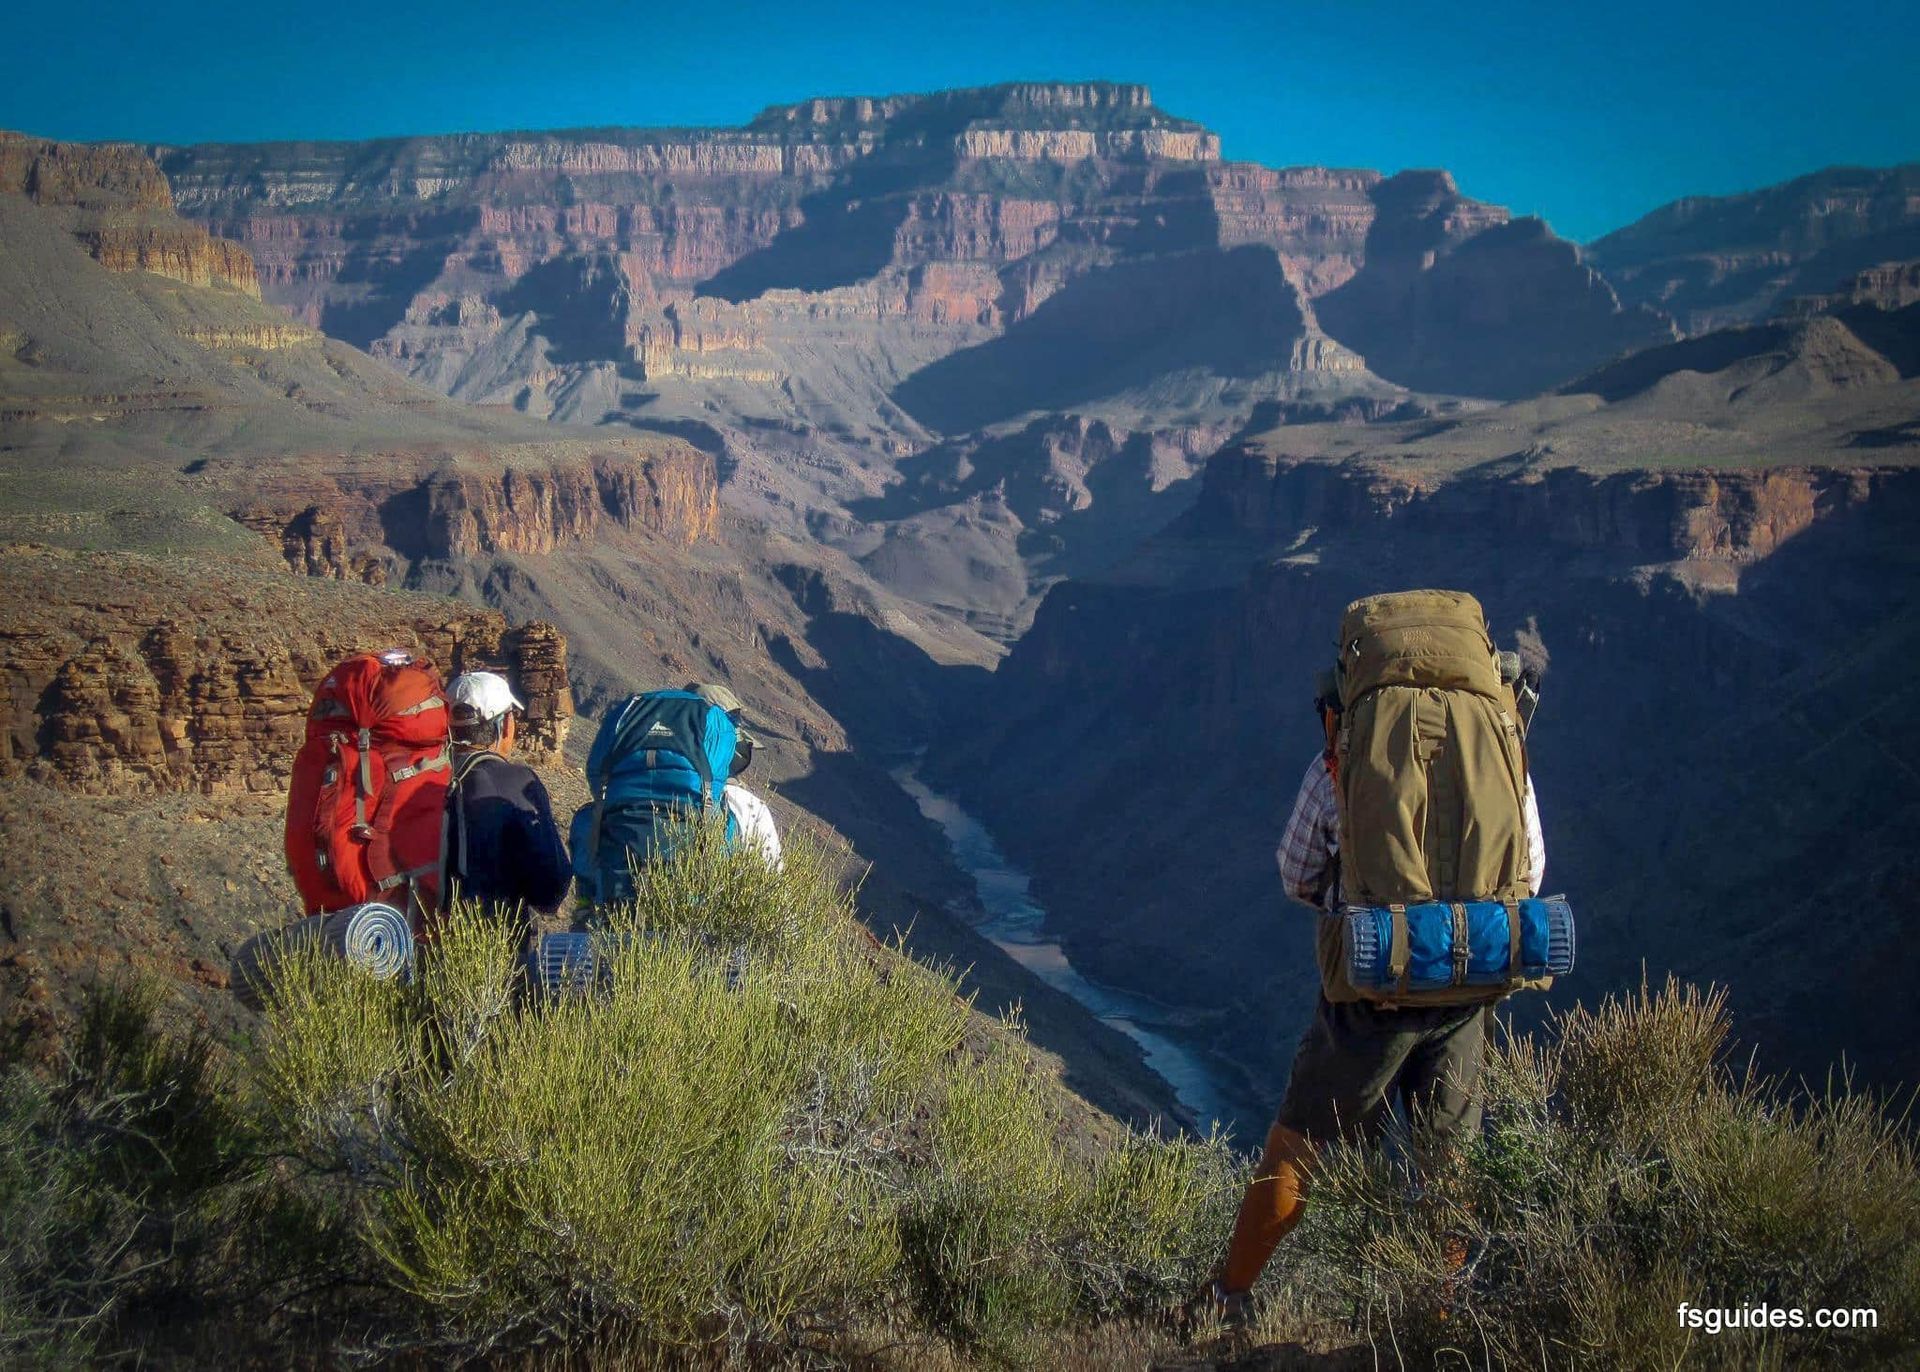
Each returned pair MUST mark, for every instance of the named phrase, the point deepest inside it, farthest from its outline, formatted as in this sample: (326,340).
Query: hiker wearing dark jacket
(503,849)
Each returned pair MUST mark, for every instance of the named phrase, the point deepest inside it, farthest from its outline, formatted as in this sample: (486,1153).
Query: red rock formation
(351,525)
(123,673)
(314,543)
(121,210)
(896,204)
(96,175)
(533,511)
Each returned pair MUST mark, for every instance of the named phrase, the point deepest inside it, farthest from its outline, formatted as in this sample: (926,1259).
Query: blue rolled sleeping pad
(1546,943)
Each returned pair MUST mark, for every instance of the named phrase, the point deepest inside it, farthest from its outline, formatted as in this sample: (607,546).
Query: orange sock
(1275,1200)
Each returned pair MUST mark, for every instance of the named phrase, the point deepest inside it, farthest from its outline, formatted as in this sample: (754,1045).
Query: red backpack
(369,785)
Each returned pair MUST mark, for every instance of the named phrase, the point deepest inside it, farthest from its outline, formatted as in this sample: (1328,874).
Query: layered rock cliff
(373,520)
(119,205)
(1884,286)
(956,212)
(1634,516)
(127,674)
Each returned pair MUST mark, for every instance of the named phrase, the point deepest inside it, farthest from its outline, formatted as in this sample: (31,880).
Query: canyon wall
(1632,517)
(126,674)
(1711,261)
(119,205)
(1702,634)
(960,210)
(369,523)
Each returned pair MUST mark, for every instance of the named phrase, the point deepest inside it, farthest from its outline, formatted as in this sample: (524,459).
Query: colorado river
(1015,923)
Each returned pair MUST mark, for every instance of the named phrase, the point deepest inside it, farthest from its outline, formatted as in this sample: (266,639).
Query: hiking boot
(1213,1306)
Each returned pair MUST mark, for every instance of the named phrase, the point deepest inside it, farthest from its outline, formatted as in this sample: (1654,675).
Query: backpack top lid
(676,723)
(1416,638)
(394,695)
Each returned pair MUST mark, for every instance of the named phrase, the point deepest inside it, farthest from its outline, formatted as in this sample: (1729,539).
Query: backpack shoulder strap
(456,817)
(464,765)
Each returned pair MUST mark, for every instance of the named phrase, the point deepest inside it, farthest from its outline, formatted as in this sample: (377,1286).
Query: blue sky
(1589,116)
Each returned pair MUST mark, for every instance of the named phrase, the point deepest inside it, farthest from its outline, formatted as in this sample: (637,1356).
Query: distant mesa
(117,203)
(1734,259)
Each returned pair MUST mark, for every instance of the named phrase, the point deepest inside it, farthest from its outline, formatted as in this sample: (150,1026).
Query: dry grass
(768,1143)
(1626,1169)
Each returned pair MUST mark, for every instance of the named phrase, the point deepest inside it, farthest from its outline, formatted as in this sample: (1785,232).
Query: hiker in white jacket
(750,813)
(755,821)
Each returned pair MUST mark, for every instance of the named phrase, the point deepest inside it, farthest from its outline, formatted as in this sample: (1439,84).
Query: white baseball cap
(483,694)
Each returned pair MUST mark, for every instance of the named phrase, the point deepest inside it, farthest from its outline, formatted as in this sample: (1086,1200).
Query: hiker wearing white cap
(502,846)
(751,814)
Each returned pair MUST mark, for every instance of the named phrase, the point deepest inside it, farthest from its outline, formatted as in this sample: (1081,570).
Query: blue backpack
(661,758)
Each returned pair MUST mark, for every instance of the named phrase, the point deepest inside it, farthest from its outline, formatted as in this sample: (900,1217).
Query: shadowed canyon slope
(1709,547)
(1733,259)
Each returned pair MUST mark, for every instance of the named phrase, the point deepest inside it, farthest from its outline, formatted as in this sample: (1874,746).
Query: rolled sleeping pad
(374,937)
(1546,943)
(559,964)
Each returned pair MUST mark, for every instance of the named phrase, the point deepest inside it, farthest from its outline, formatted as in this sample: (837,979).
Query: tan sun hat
(715,694)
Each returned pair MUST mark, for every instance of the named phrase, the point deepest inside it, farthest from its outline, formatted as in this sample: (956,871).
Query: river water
(1015,923)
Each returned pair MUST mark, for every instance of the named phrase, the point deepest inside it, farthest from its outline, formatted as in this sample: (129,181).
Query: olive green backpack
(1430,769)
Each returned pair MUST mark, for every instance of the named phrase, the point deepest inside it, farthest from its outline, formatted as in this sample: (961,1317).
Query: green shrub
(766,1139)
(762,1134)
(132,1185)
(1625,1170)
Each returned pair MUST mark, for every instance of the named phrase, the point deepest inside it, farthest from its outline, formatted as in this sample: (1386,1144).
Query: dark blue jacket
(503,848)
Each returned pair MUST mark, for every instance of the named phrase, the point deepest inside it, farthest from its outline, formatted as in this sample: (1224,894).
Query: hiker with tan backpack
(1416,835)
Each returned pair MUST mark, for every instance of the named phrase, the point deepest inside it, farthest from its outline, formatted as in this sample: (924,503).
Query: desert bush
(132,1185)
(1625,1169)
(762,1133)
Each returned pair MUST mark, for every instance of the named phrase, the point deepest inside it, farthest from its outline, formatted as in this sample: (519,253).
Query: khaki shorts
(1355,1056)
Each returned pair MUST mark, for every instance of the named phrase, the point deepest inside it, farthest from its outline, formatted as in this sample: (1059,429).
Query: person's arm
(1536,844)
(544,867)
(1312,837)
(766,834)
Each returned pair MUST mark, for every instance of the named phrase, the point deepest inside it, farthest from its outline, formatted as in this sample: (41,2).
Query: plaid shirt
(1309,850)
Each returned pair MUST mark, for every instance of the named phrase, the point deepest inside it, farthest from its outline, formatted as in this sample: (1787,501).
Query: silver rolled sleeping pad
(375,937)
